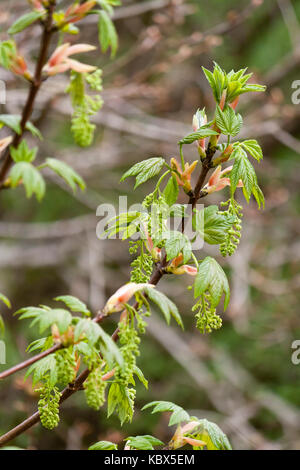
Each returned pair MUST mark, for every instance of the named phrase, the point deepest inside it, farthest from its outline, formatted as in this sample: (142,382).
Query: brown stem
(30,361)
(33,90)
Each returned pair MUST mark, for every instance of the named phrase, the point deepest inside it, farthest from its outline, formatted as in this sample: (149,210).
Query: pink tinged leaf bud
(19,66)
(76,13)
(60,62)
(185,269)
(234,104)
(5,143)
(223,100)
(183,177)
(200,119)
(116,302)
(217,182)
(153,250)
(194,442)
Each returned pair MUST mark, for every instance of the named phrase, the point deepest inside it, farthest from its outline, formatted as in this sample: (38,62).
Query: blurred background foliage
(242,375)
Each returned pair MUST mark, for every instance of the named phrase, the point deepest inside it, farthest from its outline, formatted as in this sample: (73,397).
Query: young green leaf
(253,147)
(66,173)
(8,51)
(43,367)
(228,122)
(119,400)
(31,178)
(23,153)
(167,307)
(178,414)
(137,371)
(199,134)
(74,304)
(217,80)
(171,191)
(212,225)
(12,121)
(5,300)
(143,442)
(177,243)
(213,436)
(212,278)
(242,170)
(104,445)
(107,33)
(144,170)
(25,21)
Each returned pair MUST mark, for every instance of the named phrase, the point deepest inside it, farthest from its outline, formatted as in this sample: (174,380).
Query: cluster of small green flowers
(142,268)
(84,105)
(130,341)
(233,236)
(94,388)
(148,201)
(207,318)
(48,406)
(66,365)
(131,394)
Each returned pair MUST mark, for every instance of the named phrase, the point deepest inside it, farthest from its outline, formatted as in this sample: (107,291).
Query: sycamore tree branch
(35,85)
(77,385)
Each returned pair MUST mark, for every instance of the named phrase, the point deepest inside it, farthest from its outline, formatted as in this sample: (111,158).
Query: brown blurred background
(241,376)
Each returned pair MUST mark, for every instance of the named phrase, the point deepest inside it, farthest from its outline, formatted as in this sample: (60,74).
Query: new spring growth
(217,181)
(153,250)
(175,267)
(76,12)
(224,155)
(179,439)
(117,301)
(183,177)
(36,4)
(199,120)
(60,60)
(5,143)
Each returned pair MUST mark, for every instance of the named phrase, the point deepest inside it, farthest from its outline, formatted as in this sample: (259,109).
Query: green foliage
(212,225)
(66,172)
(104,445)
(121,400)
(143,442)
(211,434)
(108,37)
(24,21)
(211,278)
(74,304)
(8,51)
(24,172)
(167,307)
(235,83)
(144,170)
(177,243)
(201,133)
(244,171)
(13,121)
(84,105)
(228,122)
(171,191)
(6,301)
(178,414)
